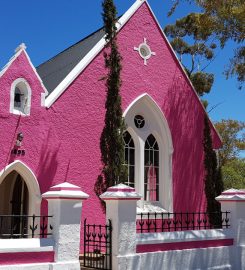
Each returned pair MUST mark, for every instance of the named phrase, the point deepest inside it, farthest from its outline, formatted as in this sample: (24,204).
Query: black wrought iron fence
(168,222)
(97,246)
(24,226)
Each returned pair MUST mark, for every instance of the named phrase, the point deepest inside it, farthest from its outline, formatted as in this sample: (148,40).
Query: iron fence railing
(168,222)
(98,246)
(24,226)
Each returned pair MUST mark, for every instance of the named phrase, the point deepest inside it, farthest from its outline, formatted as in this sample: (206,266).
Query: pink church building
(52,116)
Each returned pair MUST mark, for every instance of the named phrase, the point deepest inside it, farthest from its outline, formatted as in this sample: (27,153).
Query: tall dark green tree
(111,141)
(213,177)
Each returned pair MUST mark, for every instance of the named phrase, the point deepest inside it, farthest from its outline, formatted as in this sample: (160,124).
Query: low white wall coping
(65,191)
(120,192)
(26,245)
(183,236)
(232,195)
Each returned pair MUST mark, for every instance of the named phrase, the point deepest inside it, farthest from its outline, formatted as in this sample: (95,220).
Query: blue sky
(49,26)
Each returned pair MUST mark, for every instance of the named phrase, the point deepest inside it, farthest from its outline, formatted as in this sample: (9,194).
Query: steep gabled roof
(90,47)
(79,66)
(57,68)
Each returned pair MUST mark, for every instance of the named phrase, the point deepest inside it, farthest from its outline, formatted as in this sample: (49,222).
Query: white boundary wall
(65,205)
(201,259)
(121,209)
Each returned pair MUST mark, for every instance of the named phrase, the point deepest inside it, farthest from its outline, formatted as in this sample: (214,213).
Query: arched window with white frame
(151,177)
(20,97)
(153,151)
(129,158)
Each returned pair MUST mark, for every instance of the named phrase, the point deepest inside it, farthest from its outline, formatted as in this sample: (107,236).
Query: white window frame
(155,124)
(25,88)
(128,165)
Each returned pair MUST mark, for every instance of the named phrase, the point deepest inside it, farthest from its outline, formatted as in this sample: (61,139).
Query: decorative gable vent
(145,51)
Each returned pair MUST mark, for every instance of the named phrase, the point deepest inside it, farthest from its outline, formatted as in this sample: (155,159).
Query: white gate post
(233,201)
(121,210)
(65,205)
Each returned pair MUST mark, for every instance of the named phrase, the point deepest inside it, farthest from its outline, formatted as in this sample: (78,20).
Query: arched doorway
(19,205)
(19,196)
(15,204)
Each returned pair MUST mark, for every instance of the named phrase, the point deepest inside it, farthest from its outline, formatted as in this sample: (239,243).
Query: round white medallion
(145,51)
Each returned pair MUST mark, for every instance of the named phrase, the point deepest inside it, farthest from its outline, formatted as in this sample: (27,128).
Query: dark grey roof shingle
(53,71)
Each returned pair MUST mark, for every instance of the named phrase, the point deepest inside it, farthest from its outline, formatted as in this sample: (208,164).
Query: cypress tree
(213,177)
(111,141)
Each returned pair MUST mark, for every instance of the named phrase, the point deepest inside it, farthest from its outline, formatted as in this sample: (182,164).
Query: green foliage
(213,177)
(237,66)
(196,26)
(228,18)
(233,137)
(234,174)
(204,103)
(202,82)
(111,141)
(233,167)
(228,24)
(109,18)
(218,21)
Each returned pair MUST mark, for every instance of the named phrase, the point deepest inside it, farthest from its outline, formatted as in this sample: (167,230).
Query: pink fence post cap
(120,192)
(232,195)
(65,191)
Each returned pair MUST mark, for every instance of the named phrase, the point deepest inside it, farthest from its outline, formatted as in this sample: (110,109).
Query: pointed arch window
(153,154)
(151,169)
(129,158)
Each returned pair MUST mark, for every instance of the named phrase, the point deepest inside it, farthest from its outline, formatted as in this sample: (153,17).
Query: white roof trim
(21,48)
(57,92)
(35,71)
(11,60)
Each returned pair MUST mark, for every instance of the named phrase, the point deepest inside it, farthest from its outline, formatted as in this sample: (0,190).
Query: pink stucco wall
(184,245)
(26,257)
(62,142)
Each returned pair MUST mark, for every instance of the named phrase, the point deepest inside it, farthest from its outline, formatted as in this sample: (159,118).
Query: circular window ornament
(144,51)
(139,121)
